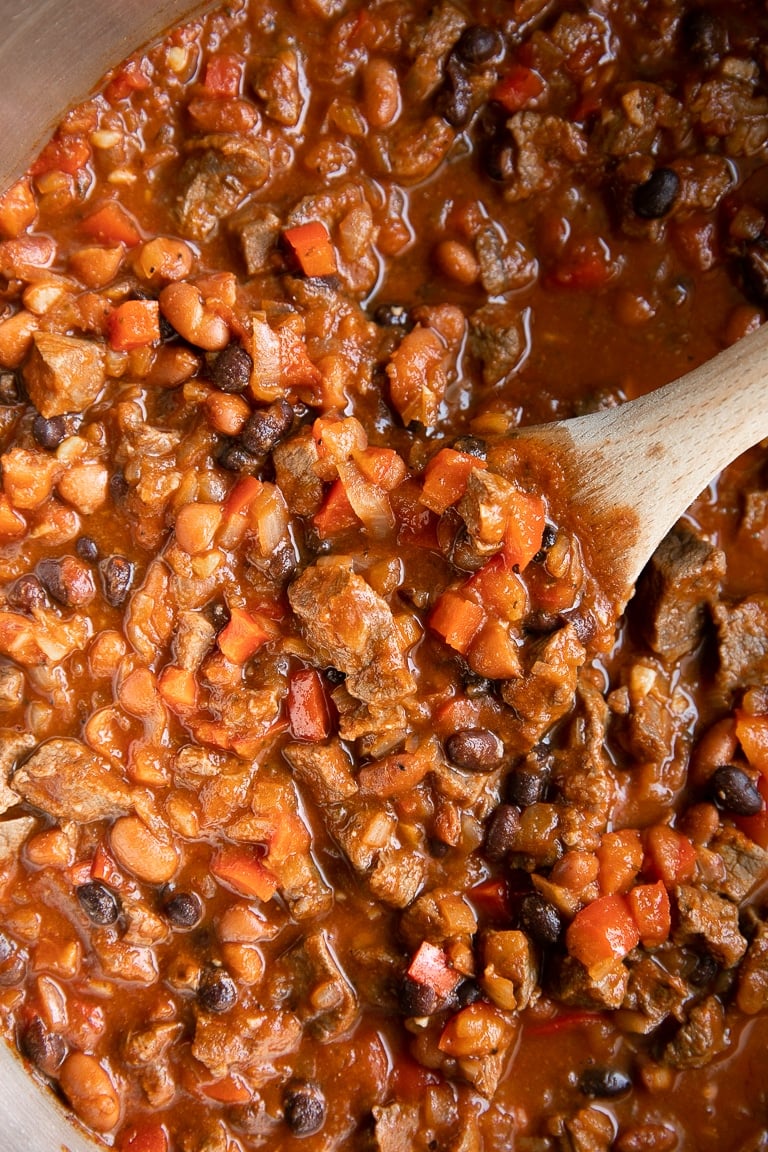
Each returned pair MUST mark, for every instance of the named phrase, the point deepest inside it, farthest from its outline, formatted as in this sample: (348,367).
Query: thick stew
(339,813)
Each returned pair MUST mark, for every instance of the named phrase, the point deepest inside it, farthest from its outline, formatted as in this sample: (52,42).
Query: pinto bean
(141,852)
(90,1091)
(184,308)
(381,93)
(164,258)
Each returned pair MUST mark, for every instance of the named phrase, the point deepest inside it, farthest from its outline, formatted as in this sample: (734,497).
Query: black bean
(417,999)
(232,368)
(468,992)
(472,446)
(703,971)
(754,272)
(99,903)
(524,787)
(116,579)
(604,1082)
(183,909)
(68,580)
(540,919)
(335,676)
(281,565)
(461,549)
(87,549)
(218,614)
(303,1107)
(548,537)
(27,593)
(392,316)
(118,487)
(475,749)
(217,991)
(44,1048)
(267,427)
(236,458)
(49,431)
(657,196)
(704,35)
(733,790)
(478,45)
(475,686)
(501,832)
(455,100)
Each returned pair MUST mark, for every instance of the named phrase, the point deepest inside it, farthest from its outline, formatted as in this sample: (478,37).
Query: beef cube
(63,373)
(573,984)
(752,984)
(700,1038)
(653,994)
(743,643)
(351,628)
(682,577)
(705,916)
(746,863)
(258,236)
(324,769)
(70,782)
(12,746)
(396,1126)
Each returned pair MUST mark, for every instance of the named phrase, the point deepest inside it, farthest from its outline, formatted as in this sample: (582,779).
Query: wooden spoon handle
(659,452)
(628,473)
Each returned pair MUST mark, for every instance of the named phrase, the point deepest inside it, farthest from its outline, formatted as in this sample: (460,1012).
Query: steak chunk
(70,782)
(743,642)
(701,1038)
(705,916)
(351,628)
(681,579)
(63,373)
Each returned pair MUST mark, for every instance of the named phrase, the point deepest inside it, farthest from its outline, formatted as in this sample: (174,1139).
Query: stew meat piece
(339,813)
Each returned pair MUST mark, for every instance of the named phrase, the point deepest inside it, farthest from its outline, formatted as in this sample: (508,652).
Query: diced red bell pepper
(517,88)
(308,712)
(602,932)
(382,466)
(311,246)
(445,478)
(111,224)
(336,513)
(104,868)
(585,265)
(131,77)
(144,1138)
(457,620)
(242,870)
(430,966)
(756,827)
(64,153)
(224,74)
(491,897)
(134,324)
(244,635)
(499,589)
(670,855)
(621,857)
(649,905)
(178,687)
(525,528)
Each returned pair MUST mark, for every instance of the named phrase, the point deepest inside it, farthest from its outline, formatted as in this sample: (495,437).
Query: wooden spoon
(628,473)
